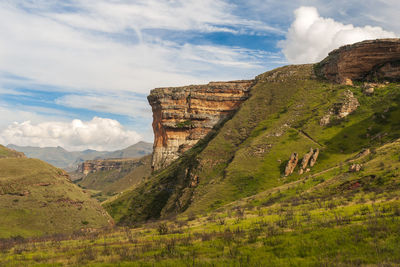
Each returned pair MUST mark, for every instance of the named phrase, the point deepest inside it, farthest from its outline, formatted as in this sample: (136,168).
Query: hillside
(289,110)
(38,199)
(69,160)
(112,176)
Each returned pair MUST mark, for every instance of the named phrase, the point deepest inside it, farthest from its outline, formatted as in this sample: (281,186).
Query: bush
(162,229)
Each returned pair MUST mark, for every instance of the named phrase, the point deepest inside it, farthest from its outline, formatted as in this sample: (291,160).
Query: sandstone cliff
(93,166)
(184,115)
(374,59)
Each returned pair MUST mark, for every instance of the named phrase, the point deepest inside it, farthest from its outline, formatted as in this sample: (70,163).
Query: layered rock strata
(93,166)
(184,115)
(367,60)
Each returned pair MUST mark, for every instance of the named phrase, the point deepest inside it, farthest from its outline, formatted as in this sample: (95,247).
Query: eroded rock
(291,165)
(92,166)
(370,60)
(306,159)
(314,157)
(355,168)
(342,109)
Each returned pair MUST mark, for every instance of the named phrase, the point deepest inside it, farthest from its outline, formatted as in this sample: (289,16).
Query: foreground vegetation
(335,217)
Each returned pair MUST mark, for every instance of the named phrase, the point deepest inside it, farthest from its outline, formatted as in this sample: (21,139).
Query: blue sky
(70,69)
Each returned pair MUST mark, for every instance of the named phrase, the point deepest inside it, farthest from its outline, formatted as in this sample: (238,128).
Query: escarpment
(367,60)
(93,166)
(184,115)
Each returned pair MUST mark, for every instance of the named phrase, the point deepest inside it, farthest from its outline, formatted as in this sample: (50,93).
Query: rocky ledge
(93,166)
(368,60)
(184,115)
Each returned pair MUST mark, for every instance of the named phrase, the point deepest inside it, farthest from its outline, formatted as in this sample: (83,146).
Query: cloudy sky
(76,73)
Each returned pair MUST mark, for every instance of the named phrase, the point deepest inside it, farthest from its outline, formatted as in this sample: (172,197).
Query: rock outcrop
(93,166)
(306,159)
(341,109)
(309,160)
(355,168)
(184,115)
(367,60)
(314,157)
(292,163)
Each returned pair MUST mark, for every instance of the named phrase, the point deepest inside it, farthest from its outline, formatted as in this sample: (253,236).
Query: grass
(38,199)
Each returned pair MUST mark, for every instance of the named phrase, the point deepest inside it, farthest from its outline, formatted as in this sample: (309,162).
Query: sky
(77,73)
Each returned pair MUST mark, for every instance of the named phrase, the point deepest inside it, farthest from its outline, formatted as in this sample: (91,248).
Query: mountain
(112,176)
(334,108)
(137,150)
(38,199)
(61,158)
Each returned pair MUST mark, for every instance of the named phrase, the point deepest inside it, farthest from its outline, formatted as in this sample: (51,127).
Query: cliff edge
(184,115)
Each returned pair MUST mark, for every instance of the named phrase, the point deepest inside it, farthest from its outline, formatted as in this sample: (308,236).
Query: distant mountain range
(60,157)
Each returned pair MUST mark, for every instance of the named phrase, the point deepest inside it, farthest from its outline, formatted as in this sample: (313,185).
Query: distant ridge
(61,158)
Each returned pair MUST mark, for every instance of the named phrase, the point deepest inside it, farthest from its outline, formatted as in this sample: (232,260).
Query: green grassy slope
(247,154)
(111,182)
(330,218)
(38,199)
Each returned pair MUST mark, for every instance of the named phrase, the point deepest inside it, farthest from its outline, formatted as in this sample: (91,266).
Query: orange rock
(184,115)
(368,59)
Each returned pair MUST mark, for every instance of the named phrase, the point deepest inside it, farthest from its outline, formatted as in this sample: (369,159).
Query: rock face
(92,166)
(341,109)
(374,59)
(184,115)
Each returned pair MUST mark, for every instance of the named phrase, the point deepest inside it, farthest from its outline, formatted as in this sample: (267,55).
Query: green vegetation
(184,124)
(332,218)
(37,199)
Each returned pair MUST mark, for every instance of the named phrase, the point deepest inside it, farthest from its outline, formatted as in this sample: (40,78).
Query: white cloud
(310,38)
(98,134)
(95,48)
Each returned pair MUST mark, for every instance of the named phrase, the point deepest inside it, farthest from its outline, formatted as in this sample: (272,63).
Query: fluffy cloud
(108,46)
(310,38)
(98,134)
